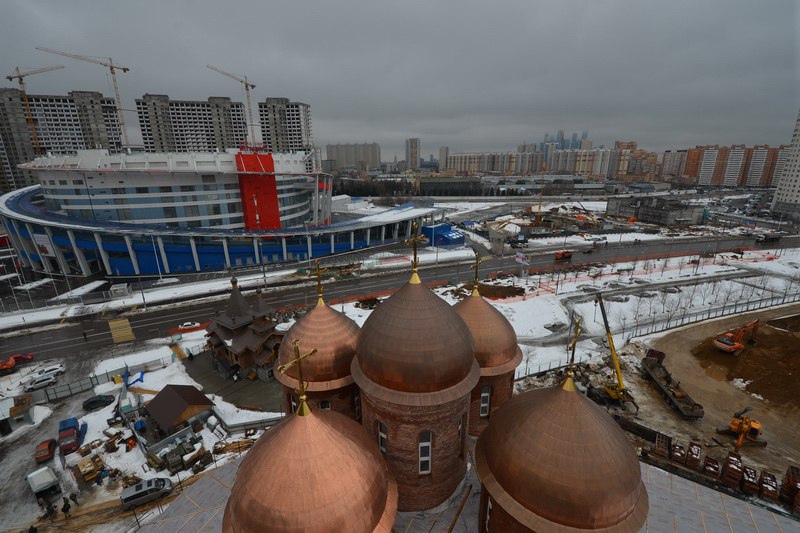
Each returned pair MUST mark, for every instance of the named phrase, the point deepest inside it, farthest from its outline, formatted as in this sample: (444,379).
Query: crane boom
(113,69)
(620,387)
(20,76)
(247,87)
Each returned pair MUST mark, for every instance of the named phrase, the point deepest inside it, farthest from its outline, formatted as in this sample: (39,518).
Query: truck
(653,369)
(44,483)
(70,435)
(563,255)
(768,237)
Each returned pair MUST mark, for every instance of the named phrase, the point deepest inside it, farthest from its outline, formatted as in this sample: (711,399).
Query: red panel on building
(259,192)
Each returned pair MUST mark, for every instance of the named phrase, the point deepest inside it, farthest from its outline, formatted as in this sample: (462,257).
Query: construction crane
(247,86)
(111,67)
(746,430)
(20,76)
(614,391)
(731,342)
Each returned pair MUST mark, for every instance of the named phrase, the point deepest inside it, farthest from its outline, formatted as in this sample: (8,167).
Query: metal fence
(656,326)
(538,370)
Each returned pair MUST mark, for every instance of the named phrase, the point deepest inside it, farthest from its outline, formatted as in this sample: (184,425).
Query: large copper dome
(318,472)
(495,340)
(556,461)
(415,342)
(334,336)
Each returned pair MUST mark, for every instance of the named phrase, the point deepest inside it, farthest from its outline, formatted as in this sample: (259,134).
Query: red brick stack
(768,487)
(711,467)
(749,481)
(732,471)
(694,456)
(678,454)
(790,488)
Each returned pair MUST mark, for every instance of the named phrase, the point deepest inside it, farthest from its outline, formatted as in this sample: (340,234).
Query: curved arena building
(171,213)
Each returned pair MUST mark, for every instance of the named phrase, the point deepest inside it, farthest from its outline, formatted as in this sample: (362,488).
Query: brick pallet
(693,456)
(732,471)
(711,467)
(768,487)
(678,454)
(790,487)
(749,481)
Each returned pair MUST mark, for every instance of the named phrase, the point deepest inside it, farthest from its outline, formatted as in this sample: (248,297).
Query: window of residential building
(425,452)
(486,394)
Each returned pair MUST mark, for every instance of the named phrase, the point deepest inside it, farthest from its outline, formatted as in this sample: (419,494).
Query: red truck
(70,435)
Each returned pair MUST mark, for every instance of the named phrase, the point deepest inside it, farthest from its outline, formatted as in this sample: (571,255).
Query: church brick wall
(448,455)
(502,390)
(499,520)
(342,400)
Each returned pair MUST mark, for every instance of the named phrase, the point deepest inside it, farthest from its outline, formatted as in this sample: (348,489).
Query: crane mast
(113,69)
(20,77)
(247,86)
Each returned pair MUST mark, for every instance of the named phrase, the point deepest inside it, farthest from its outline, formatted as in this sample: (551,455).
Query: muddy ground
(772,368)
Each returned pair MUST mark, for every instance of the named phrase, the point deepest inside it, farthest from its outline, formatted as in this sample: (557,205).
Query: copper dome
(319,472)
(414,342)
(495,340)
(556,461)
(334,336)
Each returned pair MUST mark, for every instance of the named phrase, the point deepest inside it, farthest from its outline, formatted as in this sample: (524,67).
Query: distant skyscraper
(190,125)
(80,120)
(574,142)
(285,125)
(444,151)
(708,163)
(786,201)
(412,153)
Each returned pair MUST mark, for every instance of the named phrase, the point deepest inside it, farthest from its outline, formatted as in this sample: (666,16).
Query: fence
(690,318)
(557,364)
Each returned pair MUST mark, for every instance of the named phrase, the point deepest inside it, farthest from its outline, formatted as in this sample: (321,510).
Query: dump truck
(653,369)
(44,484)
(70,435)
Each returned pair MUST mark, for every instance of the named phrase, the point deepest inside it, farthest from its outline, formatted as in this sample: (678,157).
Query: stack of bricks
(768,487)
(678,454)
(711,467)
(693,456)
(732,471)
(790,488)
(663,445)
(749,481)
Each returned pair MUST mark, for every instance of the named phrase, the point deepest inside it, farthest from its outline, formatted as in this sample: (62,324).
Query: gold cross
(318,273)
(414,240)
(302,407)
(478,261)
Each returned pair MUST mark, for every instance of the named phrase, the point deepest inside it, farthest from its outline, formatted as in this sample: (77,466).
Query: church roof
(556,461)
(334,336)
(176,403)
(238,313)
(496,346)
(318,472)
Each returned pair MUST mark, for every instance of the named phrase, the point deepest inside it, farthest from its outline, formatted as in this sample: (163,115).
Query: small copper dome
(415,342)
(319,472)
(334,336)
(556,461)
(495,340)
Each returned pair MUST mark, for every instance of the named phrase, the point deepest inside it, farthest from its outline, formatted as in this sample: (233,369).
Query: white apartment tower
(190,125)
(707,166)
(787,196)
(64,124)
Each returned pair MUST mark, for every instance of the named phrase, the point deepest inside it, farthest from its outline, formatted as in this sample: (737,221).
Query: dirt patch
(771,367)
(789,323)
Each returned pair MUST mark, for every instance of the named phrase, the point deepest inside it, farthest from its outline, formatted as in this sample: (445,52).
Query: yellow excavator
(746,430)
(614,392)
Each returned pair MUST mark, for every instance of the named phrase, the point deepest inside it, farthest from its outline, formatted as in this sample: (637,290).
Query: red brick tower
(415,367)
(551,460)
(327,374)
(497,354)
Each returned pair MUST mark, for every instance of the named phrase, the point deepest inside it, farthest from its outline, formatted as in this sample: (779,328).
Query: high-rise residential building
(191,125)
(285,125)
(708,163)
(780,163)
(365,156)
(733,174)
(64,124)
(444,151)
(412,153)
(674,163)
(786,201)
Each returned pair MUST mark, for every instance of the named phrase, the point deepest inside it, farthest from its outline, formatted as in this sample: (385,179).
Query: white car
(39,382)
(50,370)
(189,325)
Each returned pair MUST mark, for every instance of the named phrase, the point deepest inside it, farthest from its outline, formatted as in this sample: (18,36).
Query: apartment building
(413,152)
(786,201)
(363,157)
(191,125)
(285,125)
(64,124)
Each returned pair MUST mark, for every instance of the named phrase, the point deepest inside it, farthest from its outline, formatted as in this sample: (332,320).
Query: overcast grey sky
(475,76)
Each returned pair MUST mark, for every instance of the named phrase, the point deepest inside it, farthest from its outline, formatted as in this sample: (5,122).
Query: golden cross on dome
(302,407)
(478,261)
(318,273)
(414,240)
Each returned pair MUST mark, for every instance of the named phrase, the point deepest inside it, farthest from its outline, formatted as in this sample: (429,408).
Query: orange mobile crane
(731,342)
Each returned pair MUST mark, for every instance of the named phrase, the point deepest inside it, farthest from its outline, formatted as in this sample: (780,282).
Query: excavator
(746,430)
(731,342)
(614,391)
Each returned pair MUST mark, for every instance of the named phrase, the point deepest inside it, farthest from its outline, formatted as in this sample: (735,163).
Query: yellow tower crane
(113,69)
(247,86)
(20,76)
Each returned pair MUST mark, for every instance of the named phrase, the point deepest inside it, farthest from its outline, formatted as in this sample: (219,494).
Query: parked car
(189,325)
(97,402)
(145,491)
(40,382)
(45,451)
(50,370)
(22,358)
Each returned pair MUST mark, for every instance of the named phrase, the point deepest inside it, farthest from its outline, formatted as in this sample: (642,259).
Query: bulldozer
(732,342)
(746,430)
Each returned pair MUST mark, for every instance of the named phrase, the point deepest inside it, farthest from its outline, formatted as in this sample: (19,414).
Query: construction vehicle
(732,342)
(20,77)
(653,369)
(613,392)
(563,255)
(746,430)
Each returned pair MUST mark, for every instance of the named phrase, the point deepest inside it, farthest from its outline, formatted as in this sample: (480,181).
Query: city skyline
(668,76)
